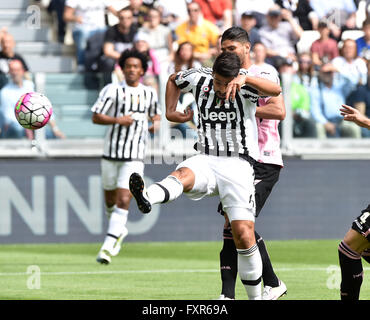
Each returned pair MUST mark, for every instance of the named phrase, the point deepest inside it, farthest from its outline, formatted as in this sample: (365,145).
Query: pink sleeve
(155,61)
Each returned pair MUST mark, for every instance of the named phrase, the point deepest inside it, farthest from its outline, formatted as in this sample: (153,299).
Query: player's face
(240,49)
(220,84)
(133,70)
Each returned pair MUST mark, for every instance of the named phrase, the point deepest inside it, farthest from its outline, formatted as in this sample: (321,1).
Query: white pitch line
(72,273)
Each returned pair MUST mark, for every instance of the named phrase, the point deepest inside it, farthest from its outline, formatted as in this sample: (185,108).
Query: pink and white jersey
(268,133)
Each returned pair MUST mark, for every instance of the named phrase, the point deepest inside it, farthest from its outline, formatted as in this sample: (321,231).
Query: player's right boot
(137,188)
(275,293)
(105,254)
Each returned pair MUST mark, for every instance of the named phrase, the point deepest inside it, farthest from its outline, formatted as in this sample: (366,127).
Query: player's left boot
(270,293)
(137,188)
(103,257)
(117,246)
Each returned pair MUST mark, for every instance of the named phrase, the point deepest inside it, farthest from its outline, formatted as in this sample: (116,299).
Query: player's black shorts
(266,175)
(362,223)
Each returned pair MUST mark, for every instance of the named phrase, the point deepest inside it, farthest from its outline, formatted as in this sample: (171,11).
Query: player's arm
(156,123)
(172,98)
(354,115)
(103,119)
(265,87)
(273,109)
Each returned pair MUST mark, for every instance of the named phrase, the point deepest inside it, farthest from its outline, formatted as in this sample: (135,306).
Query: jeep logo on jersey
(221,116)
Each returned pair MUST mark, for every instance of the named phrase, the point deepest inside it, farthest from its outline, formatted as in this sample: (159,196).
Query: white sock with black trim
(250,271)
(117,223)
(164,191)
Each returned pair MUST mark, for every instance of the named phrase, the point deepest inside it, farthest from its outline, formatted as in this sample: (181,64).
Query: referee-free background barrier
(60,200)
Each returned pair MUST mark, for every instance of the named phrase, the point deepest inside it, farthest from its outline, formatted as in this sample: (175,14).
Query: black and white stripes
(121,142)
(225,128)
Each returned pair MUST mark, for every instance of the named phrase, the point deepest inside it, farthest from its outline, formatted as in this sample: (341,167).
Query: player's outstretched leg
(163,191)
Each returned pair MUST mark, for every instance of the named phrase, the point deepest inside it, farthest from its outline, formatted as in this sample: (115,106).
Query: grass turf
(162,270)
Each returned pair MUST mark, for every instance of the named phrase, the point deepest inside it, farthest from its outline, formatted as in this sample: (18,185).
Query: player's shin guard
(268,275)
(228,265)
(250,271)
(164,191)
(352,272)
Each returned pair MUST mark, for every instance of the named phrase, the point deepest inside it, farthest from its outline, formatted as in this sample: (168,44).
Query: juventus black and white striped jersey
(224,128)
(121,142)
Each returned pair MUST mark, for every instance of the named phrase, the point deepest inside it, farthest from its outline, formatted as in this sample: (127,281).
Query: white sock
(117,223)
(250,271)
(109,210)
(166,190)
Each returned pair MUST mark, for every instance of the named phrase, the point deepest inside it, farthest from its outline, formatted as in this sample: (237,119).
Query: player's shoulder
(148,89)
(194,74)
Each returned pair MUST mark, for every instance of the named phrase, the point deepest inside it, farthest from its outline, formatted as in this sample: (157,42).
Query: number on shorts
(364,216)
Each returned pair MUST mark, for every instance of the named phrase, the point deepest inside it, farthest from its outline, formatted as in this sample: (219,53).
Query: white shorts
(229,177)
(116,174)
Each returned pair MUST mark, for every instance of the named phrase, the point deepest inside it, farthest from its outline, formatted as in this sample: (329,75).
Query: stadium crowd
(323,45)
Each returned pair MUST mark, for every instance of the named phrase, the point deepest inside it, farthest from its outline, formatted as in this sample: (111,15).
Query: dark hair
(178,61)
(235,34)
(227,64)
(132,53)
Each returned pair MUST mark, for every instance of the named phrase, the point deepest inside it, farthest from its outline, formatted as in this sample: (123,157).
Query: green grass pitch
(161,270)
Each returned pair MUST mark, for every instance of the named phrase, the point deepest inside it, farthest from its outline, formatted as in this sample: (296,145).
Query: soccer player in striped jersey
(227,145)
(356,242)
(125,110)
(269,112)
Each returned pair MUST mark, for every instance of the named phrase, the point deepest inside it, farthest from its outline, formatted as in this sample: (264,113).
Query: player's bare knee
(243,233)
(185,176)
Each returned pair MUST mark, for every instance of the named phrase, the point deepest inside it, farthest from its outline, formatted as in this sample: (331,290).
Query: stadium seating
(352,34)
(72,102)
(32,31)
(306,40)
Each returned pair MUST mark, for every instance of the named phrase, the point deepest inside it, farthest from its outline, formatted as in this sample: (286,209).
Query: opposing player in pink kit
(269,112)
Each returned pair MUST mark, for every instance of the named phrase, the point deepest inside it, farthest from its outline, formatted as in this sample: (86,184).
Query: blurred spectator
(88,18)
(117,39)
(363,43)
(160,36)
(7,54)
(173,12)
(305,74)
(349,64)
(279,36)
(248,22)
(141,44)
(304,80)
(139,12)
(324,49)
(259,8)
(331,92)
(200,32)
(58,7)
(218,12)
(259,52)
(9,95)
(303,11)
(341,12)
(360,99)
(184,59)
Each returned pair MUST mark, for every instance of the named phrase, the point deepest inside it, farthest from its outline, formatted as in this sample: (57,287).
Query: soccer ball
(33,110)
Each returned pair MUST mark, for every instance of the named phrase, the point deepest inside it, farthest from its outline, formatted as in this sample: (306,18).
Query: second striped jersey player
(125,109)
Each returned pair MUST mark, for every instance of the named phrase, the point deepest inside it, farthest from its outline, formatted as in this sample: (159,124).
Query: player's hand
(353,115)
(125,120)
(234,86)
(180,117)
